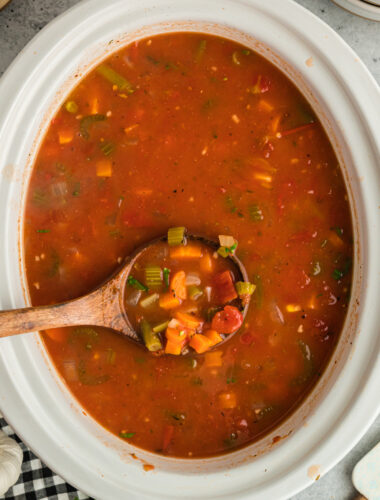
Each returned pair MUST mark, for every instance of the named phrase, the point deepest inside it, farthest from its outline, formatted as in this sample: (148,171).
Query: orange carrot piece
(168,301)
(227,400)
(186,252)
(94,106)
(200,343)
(213,336)
(104,168)
(189,320)
(57,334)
(207,263)
(173,348)
(213,359)
(65,136)
(167,437)
(265,106)
(175,336)
(178,285)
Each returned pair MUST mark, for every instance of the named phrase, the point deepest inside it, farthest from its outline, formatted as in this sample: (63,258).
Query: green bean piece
(115,78)
(161,327)
(151,339)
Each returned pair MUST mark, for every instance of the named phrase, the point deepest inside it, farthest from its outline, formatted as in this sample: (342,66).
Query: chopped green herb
(55,263)
(87,379)
(115,233)
(152,60)
(115,78)
(107,147)
(200,51)
(338,230)
(246,52)
(86,123)
(196,381)
(43,230)
(76,191)
(231,380)
(39,197)
(230,204)
(166,274)
(337,274)
(126,435)
(226,251)
(136,284)
(255,213)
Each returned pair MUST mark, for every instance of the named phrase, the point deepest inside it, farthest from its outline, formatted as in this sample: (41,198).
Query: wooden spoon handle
(31,319)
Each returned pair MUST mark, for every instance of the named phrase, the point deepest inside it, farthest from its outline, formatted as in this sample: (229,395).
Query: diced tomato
(225,287)
(227,321)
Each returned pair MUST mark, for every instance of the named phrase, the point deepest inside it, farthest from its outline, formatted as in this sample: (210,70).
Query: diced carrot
(65,136)
(57,334)
(189,320)
(94,106)
(335,240)
(178,285)
(276,122)
(213,336)
(175,336)
(186,252)
(225,287)
(168,301)
(207,263)
(264,105)
(227,400)
(200,343)
(213,359)
(173,348)
(104,168)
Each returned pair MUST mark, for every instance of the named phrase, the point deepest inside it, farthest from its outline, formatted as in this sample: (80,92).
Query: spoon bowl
(104,306)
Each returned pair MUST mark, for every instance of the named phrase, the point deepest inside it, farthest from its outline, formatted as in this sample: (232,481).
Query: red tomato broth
(194,146)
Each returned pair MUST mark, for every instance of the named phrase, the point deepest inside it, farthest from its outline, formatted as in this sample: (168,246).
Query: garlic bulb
(10,462)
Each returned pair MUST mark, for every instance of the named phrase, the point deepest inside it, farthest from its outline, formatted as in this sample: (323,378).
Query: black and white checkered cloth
(36,481)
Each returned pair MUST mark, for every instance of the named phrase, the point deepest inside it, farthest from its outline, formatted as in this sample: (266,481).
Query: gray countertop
(22,19)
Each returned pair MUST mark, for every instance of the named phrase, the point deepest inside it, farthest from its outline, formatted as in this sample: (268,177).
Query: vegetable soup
(195,131)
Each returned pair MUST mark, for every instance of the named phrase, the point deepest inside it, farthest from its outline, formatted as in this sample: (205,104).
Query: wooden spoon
(102,307)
